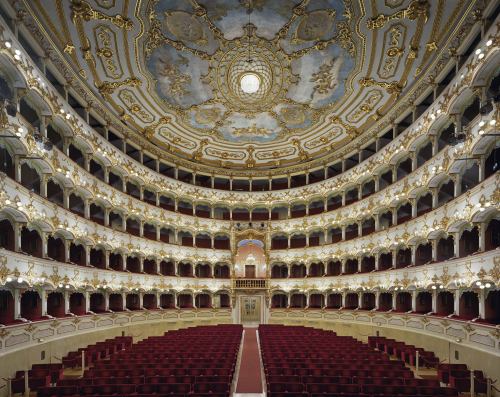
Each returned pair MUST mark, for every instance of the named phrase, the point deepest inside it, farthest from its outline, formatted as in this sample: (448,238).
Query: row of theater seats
(457,376)
(404,352)
(303,361)
(196,361)
(44,375)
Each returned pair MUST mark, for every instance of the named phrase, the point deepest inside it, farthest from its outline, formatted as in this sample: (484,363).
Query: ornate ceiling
(172,69)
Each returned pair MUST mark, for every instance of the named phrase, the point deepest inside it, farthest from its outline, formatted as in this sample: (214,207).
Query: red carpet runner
(249,377)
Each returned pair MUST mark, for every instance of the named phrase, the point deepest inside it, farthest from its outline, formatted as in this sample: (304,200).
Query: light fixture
(250,83)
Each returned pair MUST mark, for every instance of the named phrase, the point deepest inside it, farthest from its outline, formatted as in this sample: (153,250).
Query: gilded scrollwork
(80,9)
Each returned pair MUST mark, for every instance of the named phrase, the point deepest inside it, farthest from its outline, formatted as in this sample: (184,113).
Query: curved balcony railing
(467,208)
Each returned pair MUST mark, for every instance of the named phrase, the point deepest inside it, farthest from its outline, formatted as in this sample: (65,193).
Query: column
(342,268)
(434,249)
(377,256)
(413,249)
(394,216)
(457,185)
(124,300)
(434,192)
(141,300)
(343,198)
(141,264)
(308,296)
(377,299)
(482,303)
(141,228)
(289,237)
(360,228)
(66,198)
(456,302)
(482,226)
(106,258)
(86,209)
(86,295)
(158,232)
(17,168)
(343,296)
(394,173)
(456,244)
(158,299)
(124,222)
(43,298)
(482,165)
(414,295)
(377,222)
(43,185)
(106,216)
(414,162)
(394,258)
(307,239)
(67,296)
(106,301)
(106,175)
(377,182)
(343,232)
(434,300)
(44,244)
(17,236)
(17,303)
(394,300)
(87,249)
(67,244)
(414,208)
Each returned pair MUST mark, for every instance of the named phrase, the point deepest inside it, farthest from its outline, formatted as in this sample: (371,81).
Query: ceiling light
(488,43)
(250,83)
(478,51)
(481,56)
(8,44)
(481,123)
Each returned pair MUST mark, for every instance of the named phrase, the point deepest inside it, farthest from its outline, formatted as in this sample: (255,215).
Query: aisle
(249,376)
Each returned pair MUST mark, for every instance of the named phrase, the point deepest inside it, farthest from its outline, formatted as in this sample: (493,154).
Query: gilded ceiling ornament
(82,10)
(326,78)
(393,88)
(109,87)
(416,9)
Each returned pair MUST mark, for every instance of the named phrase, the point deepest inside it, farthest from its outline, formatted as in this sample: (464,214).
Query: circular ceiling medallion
(250,82)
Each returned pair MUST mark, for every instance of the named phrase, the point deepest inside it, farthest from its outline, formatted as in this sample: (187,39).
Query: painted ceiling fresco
(298,79)
(329,71)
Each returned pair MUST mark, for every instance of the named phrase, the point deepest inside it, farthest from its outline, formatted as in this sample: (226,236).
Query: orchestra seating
(96,352)
(456,375)
(406,353)
(198,361)
(44,375)
(303,361)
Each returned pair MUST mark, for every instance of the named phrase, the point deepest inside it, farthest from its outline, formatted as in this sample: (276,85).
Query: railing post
(472,394)
(416,363)
(83,362)
(26,384)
